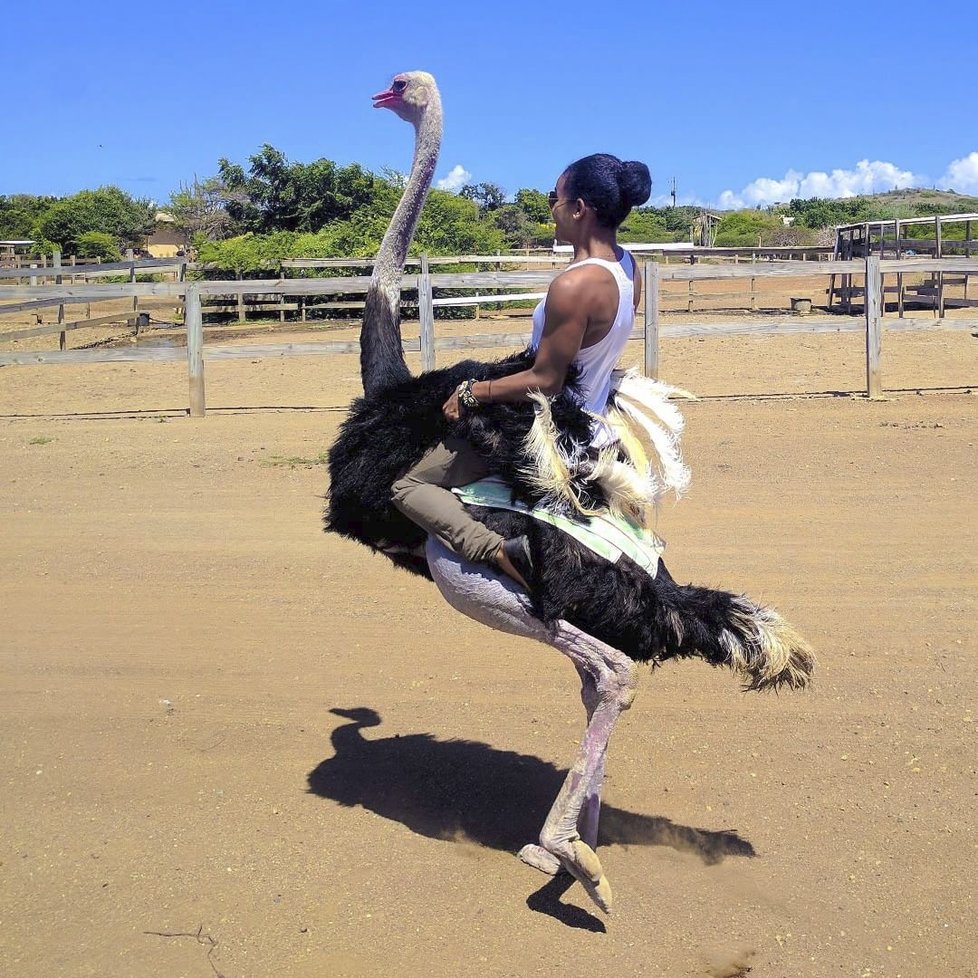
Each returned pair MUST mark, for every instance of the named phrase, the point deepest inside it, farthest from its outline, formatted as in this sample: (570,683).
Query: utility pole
(673,191)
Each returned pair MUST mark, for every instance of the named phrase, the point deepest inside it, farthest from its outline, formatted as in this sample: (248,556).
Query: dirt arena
(233,746)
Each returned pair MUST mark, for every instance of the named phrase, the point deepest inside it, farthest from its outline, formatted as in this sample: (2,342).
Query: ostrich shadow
(465,789)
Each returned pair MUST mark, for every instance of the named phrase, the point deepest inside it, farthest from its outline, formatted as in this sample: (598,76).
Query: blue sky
(742,103)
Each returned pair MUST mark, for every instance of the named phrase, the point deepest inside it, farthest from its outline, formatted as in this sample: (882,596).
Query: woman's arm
(566,322)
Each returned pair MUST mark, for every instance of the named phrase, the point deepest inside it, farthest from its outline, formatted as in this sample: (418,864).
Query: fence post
(131,257)
(58,280)
(181,276)
(426,317)
(281,297)
(241,306)
(195,349)
(874,327)
(652,319)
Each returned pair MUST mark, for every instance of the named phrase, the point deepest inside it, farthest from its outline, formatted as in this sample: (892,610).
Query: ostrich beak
(386,100)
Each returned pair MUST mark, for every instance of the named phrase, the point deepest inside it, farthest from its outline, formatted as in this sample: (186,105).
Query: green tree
(488,196)
(450,225)
(108,210)
(820,213)
(277,195)
(200,209)
(534,204)
(517,228)
(645,225)
(679,219)
(543,234)
(20,214)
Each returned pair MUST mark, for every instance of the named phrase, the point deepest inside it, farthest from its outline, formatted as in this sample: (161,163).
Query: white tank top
(595,363)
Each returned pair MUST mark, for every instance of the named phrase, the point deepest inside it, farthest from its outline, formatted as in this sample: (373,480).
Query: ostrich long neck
(381,355)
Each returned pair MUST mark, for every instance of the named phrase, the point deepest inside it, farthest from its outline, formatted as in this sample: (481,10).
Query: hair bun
(635,182)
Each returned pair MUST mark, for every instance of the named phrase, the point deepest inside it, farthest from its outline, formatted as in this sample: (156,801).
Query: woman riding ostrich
(580,448)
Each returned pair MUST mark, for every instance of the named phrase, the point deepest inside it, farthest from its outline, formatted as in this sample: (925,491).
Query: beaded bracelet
(466,398)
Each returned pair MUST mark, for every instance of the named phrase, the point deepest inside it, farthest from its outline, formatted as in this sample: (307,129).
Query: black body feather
(387,433)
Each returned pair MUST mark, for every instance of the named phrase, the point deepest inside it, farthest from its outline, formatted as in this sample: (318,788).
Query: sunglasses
(553,199)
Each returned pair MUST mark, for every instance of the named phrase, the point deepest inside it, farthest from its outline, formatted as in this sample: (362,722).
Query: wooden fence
(503,286)
(71,274)
(890,237)
(241,302)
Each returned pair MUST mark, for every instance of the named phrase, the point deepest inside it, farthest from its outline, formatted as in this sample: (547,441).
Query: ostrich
(605,616)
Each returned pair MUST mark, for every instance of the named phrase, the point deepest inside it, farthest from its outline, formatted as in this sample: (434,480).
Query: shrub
(744,229)
(97,244)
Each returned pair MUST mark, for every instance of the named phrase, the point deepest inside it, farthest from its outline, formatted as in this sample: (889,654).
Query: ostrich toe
(582,862)
(538,857)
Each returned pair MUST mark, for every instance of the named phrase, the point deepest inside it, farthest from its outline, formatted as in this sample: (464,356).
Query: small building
(704,230)
(14,248)
(166,241)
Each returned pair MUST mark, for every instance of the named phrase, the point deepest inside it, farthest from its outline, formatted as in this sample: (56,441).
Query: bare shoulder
(581,284)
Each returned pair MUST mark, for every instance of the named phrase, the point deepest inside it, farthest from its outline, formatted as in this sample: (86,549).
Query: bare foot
(506,566)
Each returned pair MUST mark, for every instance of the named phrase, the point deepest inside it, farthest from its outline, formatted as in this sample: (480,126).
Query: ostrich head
(410,94)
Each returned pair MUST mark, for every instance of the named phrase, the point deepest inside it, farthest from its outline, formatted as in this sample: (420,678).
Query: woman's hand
(451,408)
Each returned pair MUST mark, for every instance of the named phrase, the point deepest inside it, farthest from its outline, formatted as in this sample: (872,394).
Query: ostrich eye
(399,86)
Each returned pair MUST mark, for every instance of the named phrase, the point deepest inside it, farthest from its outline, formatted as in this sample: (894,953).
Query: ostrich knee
(589,691)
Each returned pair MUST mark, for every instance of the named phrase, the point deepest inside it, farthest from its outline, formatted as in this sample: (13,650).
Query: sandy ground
(231,745)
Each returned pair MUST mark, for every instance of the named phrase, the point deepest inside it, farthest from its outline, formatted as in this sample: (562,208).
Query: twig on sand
(209,942)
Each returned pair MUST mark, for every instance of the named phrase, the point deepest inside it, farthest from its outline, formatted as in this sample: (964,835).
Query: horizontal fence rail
(423,285)
(142,266)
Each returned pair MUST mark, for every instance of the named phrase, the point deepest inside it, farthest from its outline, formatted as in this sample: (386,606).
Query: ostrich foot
(538,857)
(587,827)
(582,862)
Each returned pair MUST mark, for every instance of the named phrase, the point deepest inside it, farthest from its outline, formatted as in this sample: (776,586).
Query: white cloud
(867,178)
(961,175)
(456,179)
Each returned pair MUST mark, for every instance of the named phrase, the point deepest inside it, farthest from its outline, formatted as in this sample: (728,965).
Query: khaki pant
(424,496)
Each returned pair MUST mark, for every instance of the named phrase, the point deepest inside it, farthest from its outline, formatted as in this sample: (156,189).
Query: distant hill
(798,222)
(818,212)
(920,203)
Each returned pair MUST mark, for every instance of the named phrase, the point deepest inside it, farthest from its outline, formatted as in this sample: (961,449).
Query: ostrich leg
(608,688)
(587,825)
(614,678)
(590,812)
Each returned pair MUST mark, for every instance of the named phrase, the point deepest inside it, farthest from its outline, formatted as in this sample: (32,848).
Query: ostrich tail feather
(733,630)
(765,648)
